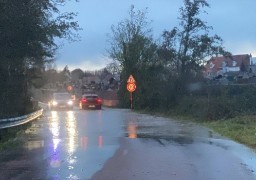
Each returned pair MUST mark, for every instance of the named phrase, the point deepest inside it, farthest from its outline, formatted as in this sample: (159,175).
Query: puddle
(30,145)
(247,155)
(165,140)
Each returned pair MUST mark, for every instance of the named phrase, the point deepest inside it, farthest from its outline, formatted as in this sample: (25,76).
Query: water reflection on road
(72,134)
(132,130)
(81,142)
(76,144)
(55,132)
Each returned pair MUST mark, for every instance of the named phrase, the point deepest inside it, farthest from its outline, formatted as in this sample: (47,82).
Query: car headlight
(54,103)
(70,102)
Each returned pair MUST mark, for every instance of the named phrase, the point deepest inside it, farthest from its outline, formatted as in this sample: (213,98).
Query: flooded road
(119,144)
(81,142)
(158,148)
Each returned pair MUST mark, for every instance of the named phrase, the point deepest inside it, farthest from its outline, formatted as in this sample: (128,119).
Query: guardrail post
(3,132)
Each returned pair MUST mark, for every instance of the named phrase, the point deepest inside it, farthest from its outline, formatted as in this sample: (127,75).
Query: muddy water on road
(160,148)
(120,144)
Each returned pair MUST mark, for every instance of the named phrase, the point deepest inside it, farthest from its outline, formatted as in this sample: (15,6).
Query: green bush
(219,102)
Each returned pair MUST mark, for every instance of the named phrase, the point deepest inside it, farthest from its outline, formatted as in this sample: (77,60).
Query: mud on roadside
(165,130)
(18,163)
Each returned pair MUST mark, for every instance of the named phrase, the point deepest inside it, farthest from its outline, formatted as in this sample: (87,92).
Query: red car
(90,101)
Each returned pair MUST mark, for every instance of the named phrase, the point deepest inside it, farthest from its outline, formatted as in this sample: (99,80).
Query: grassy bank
(12,137)
(241,129)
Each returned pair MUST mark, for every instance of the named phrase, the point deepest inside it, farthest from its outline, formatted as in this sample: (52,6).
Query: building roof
(216,63)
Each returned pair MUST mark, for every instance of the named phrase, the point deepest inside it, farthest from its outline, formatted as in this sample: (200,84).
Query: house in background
(253,61)
(235,64)
(252,67)
(91,80)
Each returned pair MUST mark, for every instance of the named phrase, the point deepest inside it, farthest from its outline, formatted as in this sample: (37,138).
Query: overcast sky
(233,20)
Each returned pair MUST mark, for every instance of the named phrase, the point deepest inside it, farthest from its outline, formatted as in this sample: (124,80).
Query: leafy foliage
(218,102)
(132,46)
(28,29)
(163,71)
(185,48)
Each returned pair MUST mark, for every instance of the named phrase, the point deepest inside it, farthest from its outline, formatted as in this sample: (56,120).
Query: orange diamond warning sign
(131,79)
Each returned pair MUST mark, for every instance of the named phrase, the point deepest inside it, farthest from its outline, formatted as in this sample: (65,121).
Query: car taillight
(84,100)
(99,100)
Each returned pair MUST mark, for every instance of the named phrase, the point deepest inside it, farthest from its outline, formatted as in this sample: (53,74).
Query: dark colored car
(90,101)
(61,101)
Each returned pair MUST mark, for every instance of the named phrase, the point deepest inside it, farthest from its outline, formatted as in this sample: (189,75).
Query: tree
(51,77)
(185,48)
(28,30)
(77,74)
(129,38)
(163,71)
(64,76)
(133,48)
(113,68)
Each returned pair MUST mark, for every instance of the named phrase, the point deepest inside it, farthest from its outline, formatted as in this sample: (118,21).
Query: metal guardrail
(12,122)
(43,105)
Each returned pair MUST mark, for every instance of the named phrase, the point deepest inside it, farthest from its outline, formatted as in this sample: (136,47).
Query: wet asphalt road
(119,144)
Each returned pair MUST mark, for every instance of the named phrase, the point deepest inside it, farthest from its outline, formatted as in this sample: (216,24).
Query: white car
(61,101)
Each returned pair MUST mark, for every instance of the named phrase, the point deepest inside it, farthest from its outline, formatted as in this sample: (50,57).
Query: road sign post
(131,87)
(131,99)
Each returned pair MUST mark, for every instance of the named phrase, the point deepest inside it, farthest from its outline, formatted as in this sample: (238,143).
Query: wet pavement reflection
(132,130)
(80,142)
(167,133)
(77,144)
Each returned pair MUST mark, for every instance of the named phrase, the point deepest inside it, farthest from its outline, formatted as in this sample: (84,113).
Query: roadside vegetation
(27,42)
(169,73)
(164,70)
(228,110)
(12,137)
(241,129)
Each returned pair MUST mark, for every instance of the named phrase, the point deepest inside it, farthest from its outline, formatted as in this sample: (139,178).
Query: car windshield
(91,97)
(61,96)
